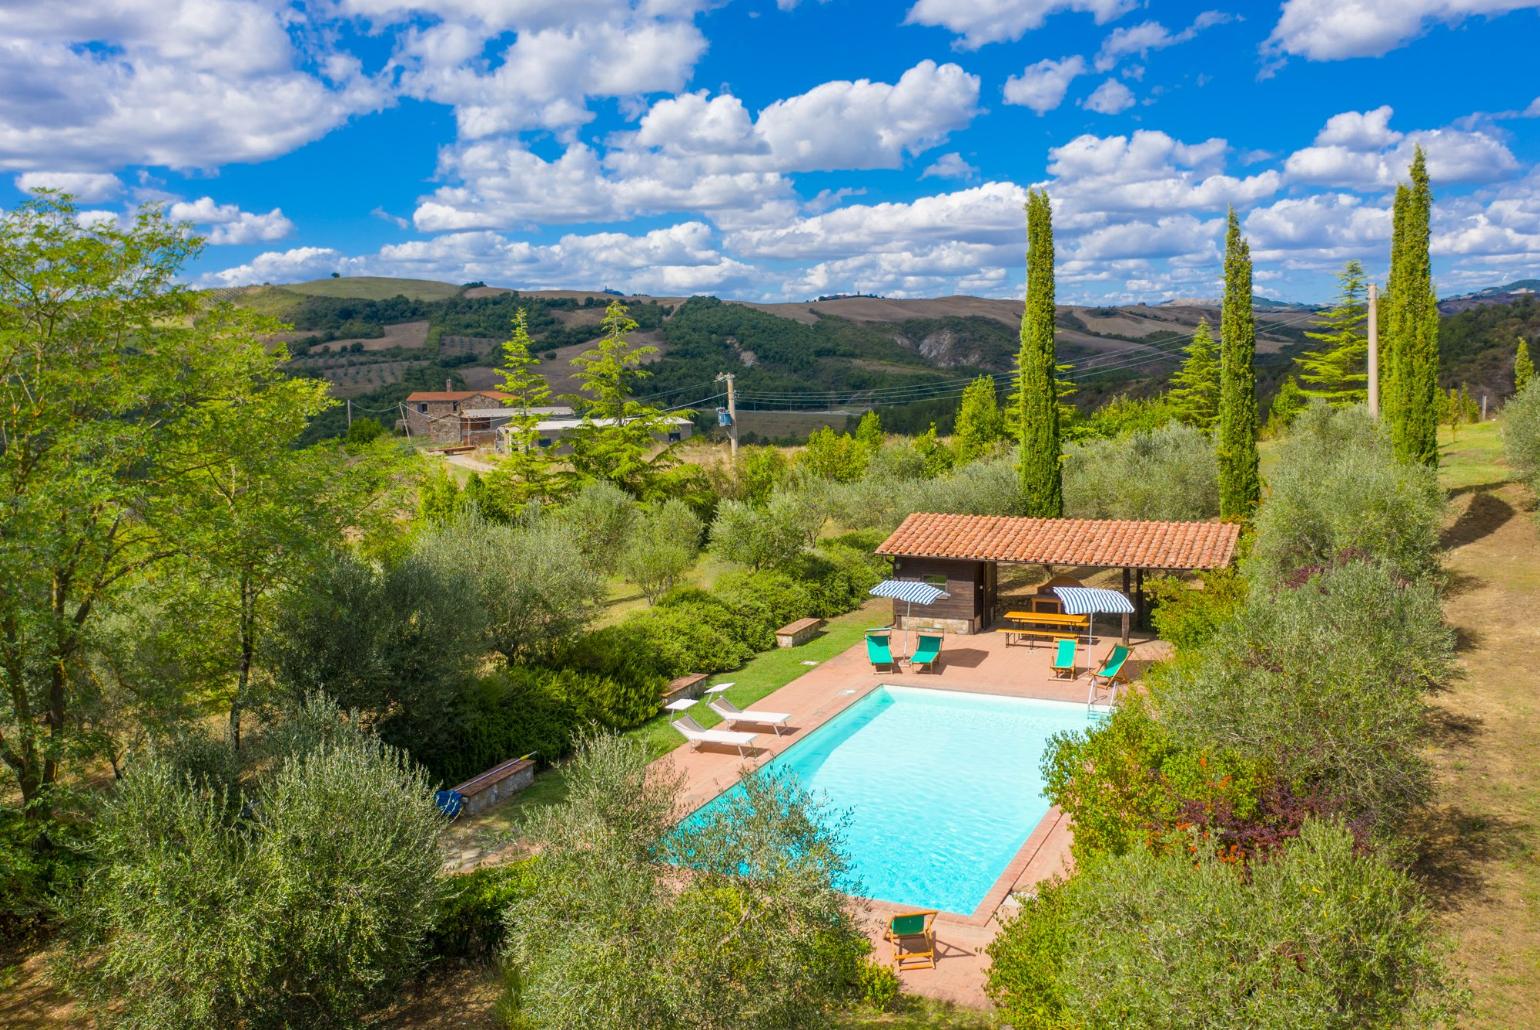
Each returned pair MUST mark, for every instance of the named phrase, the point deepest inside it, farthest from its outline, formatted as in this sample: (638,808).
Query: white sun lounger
(731,714)
(697,735)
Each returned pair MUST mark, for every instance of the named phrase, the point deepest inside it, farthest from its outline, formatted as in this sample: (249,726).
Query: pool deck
(983,664)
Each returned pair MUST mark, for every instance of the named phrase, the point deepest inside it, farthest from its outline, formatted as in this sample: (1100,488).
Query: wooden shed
(961,554)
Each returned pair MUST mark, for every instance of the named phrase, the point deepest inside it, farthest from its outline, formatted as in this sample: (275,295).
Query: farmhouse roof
(453,395)
(1106,543)
(507,412)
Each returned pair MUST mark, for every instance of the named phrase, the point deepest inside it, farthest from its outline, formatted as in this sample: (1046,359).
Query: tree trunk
(248,648)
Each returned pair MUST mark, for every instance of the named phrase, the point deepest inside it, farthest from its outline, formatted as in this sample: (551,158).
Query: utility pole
(1374,351)
(732,412)
(350,413)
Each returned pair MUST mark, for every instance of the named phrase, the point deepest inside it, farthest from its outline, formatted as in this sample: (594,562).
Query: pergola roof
(1105,543)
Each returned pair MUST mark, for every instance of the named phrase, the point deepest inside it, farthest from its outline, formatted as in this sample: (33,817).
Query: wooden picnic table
(1050,619)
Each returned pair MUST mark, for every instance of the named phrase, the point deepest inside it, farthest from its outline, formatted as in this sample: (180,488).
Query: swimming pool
(942,788)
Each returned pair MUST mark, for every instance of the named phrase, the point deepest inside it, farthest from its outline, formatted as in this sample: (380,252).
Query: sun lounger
(1111,669)
(913,935)
(1064,659)
(879,650)
(732,714)
(698,735)
(927,652)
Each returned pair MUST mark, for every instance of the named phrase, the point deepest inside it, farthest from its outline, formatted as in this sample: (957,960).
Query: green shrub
(1321,936)
(1128,782)
(469,922)
(877,983)
(36,868)
(1338,491)
(1166,473)
(1521,434)
(306,907)
(1324,685)
(1186,615)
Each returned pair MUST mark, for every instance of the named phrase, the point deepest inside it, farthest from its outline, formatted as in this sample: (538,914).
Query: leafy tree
(760,471)
(1320,936)
(118,389)
(1263,686)
(605,927)
(1337,490)
(978,427)
(1288,402)
(1523,367)
(1456,407)
(664,543)
(1036,398)
(528,581)
(837,457)
(1521,435)
(305,907)
(1240,483)
(1411,324)
(619,438)
(525,472)
(1124,416)
(600,515)
(1338,371)
(761,537)
(1195,386)
(1167,473)
(364,431)
(869,431)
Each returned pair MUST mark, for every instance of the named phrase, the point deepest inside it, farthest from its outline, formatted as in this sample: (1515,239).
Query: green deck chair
(879,650)
(1064,659)
(913,936)
(927,652)
(1111,670)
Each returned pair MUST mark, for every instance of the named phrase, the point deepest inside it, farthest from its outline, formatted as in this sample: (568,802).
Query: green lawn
(1472,458)
(762,675)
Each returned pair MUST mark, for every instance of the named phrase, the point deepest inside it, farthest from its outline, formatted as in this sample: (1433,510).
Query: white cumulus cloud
(978,22)
(227,223)
(1110,97)
(85,187)
(1042,86)
(1330,30)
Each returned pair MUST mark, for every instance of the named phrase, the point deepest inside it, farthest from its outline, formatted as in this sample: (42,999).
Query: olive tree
(663,544)
(1320,936)
(1521,435)
(1166,473)
(732,919)
(304,902)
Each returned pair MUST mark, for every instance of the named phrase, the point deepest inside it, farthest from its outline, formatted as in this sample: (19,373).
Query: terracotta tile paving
(980,663)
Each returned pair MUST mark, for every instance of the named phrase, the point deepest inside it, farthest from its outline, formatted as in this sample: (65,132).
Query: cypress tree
(1240,483)
(1036,399)
(1523,368)
(978,423)
(1338,372)
(1195,386)
(1411,338)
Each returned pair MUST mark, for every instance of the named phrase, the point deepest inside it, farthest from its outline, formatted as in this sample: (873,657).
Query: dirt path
(1486,828)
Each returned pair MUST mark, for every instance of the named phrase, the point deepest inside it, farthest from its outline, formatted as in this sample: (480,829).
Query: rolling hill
(376,339)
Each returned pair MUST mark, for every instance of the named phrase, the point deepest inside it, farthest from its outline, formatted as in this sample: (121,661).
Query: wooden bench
(1032,635)
(487,789)
(683,687)
(799,632)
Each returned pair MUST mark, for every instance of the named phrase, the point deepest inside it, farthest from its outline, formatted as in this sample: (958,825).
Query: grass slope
(1484,863)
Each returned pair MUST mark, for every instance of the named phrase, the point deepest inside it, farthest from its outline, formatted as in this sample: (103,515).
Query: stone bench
(501,781)
(683,687)
(799,632)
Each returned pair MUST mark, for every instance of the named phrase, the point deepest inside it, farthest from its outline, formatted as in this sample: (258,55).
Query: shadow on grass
(1467,639)
(1485,515)
(1448,729)
(1456,847)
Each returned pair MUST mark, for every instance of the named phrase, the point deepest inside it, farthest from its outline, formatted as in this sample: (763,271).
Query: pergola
(962,553)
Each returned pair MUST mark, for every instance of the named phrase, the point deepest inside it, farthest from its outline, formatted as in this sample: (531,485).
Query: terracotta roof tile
(1108,543)
(453,395)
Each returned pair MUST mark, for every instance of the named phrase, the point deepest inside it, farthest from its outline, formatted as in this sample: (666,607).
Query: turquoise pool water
(942,788)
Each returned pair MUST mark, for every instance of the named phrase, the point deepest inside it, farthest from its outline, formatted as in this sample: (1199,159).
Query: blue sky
(780,149)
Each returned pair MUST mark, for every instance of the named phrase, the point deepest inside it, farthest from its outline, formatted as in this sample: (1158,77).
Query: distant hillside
(1506,294)
(1476,342)
(375,340)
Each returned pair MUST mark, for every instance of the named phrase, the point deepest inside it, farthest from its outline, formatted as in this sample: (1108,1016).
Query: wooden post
(1374,351)
(1125,594)
(1139,589)
(732,412)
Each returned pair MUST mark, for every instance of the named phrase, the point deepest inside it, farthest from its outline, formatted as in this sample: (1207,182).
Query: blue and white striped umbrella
(909,590)
(1093,600)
